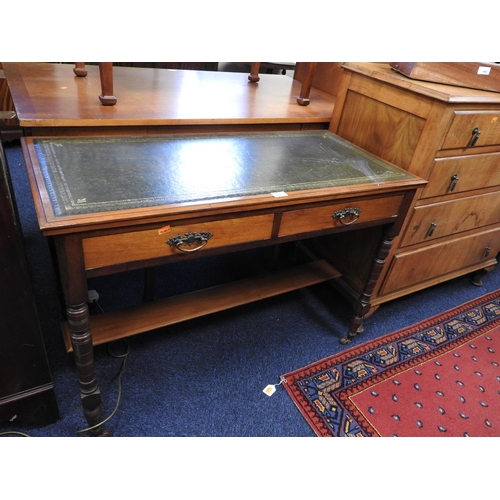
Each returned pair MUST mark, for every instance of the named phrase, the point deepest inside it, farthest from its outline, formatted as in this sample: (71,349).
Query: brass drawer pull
(431,229)
(454,182)
(347,216)
(486,252)
(475,136)
(190,239)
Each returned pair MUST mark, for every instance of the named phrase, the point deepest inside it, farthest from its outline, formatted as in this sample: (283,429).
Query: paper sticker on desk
(163,230)
(483,70)
(279,194)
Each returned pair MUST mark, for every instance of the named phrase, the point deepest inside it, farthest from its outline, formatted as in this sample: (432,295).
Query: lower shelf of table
(130,321)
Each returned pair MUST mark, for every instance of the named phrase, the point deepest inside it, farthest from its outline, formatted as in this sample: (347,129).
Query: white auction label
(483,70)
(269,390)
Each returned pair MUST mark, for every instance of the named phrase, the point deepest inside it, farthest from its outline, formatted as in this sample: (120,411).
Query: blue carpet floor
(205,377)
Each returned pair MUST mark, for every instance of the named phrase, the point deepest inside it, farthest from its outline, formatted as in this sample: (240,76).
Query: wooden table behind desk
(51,100)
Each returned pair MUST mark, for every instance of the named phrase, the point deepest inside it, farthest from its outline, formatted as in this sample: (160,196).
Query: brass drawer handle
(486,252)
(190,239)
(347,216)
(431,229)
(475,136)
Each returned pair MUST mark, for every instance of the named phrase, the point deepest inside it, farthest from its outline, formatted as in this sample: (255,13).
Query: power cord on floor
(94,298)
(124,357)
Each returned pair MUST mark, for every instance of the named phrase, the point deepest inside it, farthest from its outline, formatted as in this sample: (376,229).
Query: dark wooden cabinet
(9,124)
(26,389)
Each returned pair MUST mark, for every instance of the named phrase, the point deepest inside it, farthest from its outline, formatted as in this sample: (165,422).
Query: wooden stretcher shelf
(114,325)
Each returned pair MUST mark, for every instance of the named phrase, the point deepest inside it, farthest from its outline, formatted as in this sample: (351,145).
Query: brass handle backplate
(190,239)
(347,216)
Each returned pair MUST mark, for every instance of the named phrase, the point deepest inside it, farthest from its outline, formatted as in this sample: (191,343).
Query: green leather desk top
(91,175)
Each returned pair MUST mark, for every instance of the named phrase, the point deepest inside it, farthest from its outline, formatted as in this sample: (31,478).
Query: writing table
(115,204)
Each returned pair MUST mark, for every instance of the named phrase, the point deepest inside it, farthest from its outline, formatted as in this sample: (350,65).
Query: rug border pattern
(344,391)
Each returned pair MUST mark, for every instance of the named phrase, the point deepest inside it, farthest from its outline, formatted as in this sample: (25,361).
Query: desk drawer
(436,261)
(463,174)
(133,246)
(484,125)
(318,218)
(452,217)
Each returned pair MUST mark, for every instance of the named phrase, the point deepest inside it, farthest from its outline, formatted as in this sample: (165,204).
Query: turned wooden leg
(79,69)
(362,306)
(305,89)
(74,286)
(254,72)
(106,73)
(81,340)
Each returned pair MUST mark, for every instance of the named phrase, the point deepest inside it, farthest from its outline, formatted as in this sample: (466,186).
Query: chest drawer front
(462,174)
(451,217)
(465,126)
(108,250)
(435,261)
(321,218)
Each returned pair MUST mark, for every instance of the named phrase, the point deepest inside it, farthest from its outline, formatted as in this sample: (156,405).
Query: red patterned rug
(439,377)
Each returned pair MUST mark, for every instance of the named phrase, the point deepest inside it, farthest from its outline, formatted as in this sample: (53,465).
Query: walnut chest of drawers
(447,135)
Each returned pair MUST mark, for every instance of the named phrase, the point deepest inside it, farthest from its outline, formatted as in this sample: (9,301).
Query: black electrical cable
(124,357)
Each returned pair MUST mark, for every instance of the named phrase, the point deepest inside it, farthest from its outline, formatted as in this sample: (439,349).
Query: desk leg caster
(357,327)
(100,432)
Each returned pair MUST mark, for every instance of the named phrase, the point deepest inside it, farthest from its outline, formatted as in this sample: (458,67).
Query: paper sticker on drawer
(163,230)
(483,70)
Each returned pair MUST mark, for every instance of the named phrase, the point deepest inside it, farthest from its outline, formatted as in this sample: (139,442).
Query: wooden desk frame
(98,244)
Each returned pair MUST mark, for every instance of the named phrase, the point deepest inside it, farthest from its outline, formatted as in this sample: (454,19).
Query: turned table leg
(362,306)
(81,340)
(74,285)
